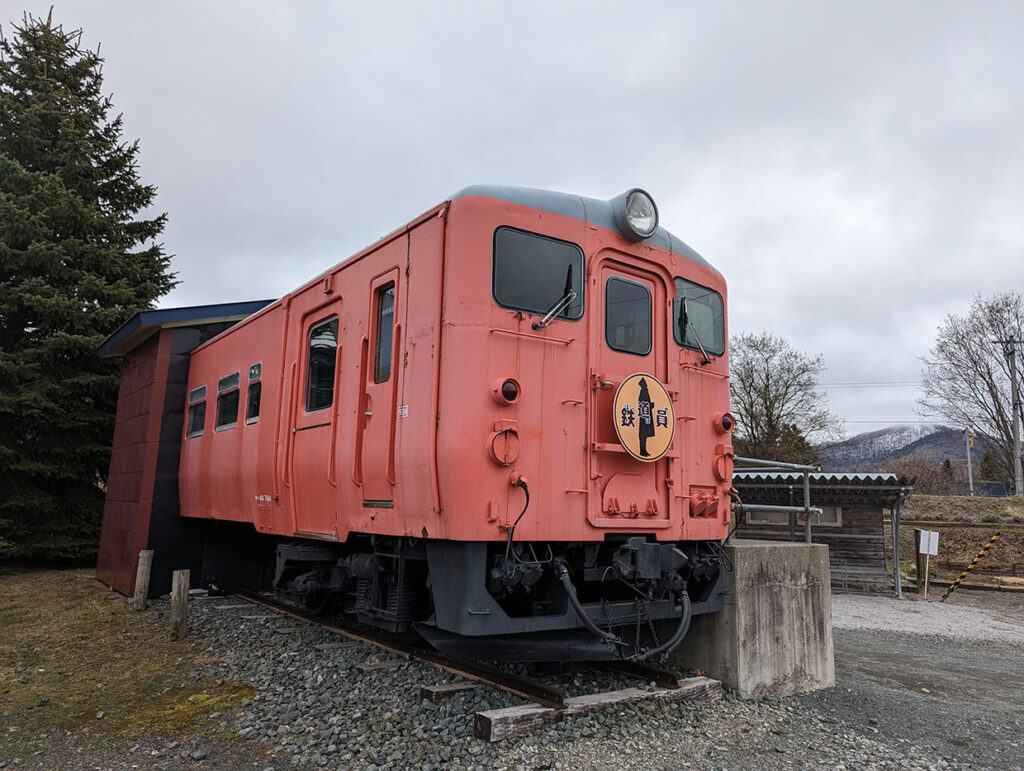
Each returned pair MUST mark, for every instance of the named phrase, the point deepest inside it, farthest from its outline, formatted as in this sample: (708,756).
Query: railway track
(526,688)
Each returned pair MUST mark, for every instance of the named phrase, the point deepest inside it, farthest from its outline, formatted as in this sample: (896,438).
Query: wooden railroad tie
(374,666)
(262,617)
(336,645)
(291,629)
(233,607)
(438,693)
(497,724)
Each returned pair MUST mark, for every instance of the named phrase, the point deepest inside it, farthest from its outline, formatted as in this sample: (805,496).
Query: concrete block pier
(774,637)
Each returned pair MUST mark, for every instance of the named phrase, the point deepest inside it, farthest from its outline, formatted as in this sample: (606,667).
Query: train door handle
(368,414)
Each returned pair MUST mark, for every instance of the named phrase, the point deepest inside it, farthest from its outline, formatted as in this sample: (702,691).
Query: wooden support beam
(497,724)
(438,693)
(373,666)
(337,645)
(142,573)
(179,604)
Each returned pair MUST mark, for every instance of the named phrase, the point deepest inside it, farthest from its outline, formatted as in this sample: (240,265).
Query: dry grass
(70,648)
(961,508)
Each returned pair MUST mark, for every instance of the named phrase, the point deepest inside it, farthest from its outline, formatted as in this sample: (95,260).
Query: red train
(505,425)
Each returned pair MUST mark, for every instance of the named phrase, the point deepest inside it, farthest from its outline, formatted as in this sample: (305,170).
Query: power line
(923,422)
(868,384)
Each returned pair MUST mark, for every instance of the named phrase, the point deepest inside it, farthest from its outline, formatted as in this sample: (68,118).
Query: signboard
(929,542)
(644,419)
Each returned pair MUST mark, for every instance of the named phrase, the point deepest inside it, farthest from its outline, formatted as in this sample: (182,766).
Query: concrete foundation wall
(774,636)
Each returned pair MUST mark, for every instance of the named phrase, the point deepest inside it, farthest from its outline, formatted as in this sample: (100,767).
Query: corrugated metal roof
(818,478)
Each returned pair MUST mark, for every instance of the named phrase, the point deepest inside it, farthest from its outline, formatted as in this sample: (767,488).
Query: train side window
(627,316)
(227,402)
(385,333)
(252,402)
(196,412)
(322,358)
(533,273)
(704,319)
(252,396)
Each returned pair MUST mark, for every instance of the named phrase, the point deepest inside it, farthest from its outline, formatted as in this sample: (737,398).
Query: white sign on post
(929,546)
(929,542)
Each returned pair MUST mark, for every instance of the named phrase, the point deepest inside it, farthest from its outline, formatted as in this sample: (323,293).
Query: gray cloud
(856,170)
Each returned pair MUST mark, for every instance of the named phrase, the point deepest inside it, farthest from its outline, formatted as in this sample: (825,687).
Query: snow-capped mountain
(870,450)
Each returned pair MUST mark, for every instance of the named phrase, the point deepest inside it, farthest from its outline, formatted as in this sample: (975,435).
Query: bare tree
(966,379)
(778,410)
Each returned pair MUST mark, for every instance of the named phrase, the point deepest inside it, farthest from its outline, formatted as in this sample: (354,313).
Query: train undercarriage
(624,598)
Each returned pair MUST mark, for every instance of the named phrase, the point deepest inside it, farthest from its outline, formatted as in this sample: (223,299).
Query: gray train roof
(578,207)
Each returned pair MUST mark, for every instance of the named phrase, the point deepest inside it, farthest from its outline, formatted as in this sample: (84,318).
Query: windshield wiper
(684,322)
(561,303)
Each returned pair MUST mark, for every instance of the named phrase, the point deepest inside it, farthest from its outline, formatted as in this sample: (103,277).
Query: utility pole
(969,441)
(1010,352)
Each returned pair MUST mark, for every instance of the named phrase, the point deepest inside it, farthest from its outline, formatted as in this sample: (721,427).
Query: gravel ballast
(919,685)
(312,708)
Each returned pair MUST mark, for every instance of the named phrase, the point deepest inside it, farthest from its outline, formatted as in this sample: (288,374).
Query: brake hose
(674,640)
(570,590)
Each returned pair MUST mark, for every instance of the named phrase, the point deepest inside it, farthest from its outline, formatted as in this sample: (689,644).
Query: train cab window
(196,412)
(536,274)
(323,350)
(227,403)
(698,317)
(627,316)
(385,333)
(252,396)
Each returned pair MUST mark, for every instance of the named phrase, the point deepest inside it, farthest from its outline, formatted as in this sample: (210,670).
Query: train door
(376,451)
(633,417)
(313,425)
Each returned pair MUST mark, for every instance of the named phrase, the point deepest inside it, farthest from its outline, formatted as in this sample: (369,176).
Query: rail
(531,690)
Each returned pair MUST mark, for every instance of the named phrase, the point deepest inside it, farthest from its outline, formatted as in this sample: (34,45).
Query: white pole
(968,436)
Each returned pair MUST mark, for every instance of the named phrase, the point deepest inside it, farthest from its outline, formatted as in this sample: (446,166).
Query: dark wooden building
(141,509)
(856,512)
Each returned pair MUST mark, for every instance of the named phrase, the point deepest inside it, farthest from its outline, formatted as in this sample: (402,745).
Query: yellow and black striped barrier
(970,567)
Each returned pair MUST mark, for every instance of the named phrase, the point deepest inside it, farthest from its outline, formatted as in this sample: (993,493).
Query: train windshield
(530,273)
(699,317)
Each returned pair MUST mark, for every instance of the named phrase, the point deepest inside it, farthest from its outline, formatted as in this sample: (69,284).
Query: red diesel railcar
(504,425)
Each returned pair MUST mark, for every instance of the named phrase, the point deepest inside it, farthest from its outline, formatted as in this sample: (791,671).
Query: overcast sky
(855,170)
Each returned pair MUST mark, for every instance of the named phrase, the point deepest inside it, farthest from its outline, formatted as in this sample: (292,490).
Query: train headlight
(635,214)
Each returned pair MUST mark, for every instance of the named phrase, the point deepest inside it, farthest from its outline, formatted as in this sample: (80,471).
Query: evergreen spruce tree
(76,261)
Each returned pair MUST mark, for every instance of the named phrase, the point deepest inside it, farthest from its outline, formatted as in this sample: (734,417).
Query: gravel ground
(313,709)
(950,619)
(906,698)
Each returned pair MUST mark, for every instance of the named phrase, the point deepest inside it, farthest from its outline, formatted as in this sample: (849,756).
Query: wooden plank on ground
(497,724)
(262,616)
(232,607)
(337,645)
(374,666)
(290,629)
(438,693)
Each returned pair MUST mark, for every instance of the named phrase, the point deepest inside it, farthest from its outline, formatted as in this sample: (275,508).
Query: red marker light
(510,390)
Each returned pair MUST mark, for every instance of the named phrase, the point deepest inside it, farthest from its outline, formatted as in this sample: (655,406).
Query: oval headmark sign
(644,419)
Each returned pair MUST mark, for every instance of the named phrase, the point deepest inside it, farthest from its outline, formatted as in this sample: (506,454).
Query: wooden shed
(859,514)
(141,508)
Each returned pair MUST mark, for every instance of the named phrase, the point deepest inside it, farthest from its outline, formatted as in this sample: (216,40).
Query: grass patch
(71,648)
